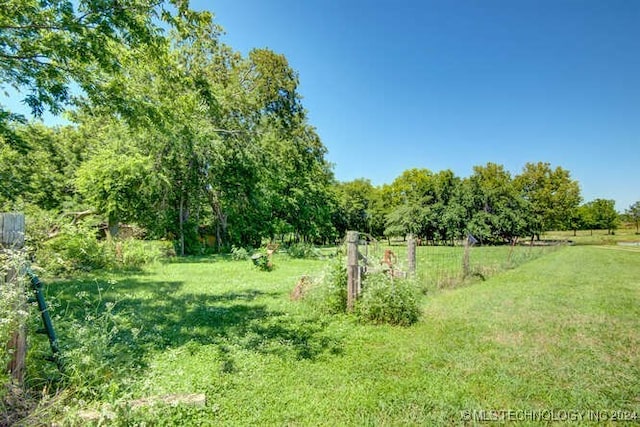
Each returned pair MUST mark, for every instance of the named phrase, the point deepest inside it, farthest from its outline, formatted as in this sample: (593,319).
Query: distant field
(595,237)
(558,333)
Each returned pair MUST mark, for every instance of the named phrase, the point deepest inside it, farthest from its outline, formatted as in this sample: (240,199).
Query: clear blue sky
(392,85)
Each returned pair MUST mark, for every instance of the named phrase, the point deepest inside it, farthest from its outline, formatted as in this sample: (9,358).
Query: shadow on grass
(122,323)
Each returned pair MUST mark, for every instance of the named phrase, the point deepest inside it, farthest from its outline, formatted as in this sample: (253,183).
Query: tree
(497,212)
(115,183)
(633,212)
(552,195)
(43,174)
(601,214)
(48,46)
(355,200)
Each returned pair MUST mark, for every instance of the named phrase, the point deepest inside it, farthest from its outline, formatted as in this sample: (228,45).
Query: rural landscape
(181,252)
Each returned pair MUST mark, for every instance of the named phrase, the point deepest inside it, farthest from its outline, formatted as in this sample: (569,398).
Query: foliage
(355,201)
(177,132)
(239,253)
(115,184)
(13,310)
(134,254)
(633,212)
(302,250)
(328,294)
(76,248)
(92,346)
(46,47)
(262,260)
(552,195)
(41,172)
(600,214)
(388,300)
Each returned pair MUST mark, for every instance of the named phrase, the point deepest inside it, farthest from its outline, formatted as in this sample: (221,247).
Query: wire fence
(440,267)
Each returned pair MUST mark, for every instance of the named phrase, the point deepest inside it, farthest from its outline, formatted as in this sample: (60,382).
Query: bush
(302,250)
(262,260)
(386,300)
(239,254)
(74,248)
(329,293)
(133,253)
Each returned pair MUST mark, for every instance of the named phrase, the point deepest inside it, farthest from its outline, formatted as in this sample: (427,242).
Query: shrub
(239,254)
(133,253)
(329,293)
(302,250)
(74,248)
(262,261)
(386,300)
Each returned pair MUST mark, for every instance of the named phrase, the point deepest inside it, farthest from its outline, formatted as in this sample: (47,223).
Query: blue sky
(449,84)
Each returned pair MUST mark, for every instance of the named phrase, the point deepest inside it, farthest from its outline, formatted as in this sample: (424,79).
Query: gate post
(411,255)
(353,270)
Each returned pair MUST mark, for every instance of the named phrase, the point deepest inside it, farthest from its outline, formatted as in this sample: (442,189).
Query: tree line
(177,132)
(490,205)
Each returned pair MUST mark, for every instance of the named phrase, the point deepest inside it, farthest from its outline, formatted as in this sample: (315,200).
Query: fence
(12,228)
(450,266)
(363,262)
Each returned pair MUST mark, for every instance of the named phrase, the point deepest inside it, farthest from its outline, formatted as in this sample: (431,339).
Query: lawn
(560,332)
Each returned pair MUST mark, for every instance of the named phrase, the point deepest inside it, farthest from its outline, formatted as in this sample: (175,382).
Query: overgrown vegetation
(388,300)
(328,293)
(303,250)
(200,149)
(13,308)
(77,249)
(222,328)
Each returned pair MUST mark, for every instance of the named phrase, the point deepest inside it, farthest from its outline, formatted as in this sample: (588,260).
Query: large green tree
(497,212)
(355,201)
(633,213)
(601,214)
(552,195)
(48,46)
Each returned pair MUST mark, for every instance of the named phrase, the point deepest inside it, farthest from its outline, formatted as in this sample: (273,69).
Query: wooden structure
(355,272)
(12,229)
(411,255)
(353,269)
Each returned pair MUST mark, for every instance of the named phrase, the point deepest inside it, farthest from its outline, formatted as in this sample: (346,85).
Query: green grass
(560,332)
(595,237)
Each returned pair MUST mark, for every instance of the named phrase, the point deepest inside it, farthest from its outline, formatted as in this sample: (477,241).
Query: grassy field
(560,332)
(595,237)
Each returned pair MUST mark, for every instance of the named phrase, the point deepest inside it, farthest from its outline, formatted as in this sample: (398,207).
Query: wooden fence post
(12,239)
(353,270)
(411,255)
(466,268)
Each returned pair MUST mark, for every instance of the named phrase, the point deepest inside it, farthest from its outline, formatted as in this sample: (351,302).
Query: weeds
(388,300)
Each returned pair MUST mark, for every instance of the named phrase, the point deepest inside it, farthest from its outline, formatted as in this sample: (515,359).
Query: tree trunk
(181,223)
(113,226)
